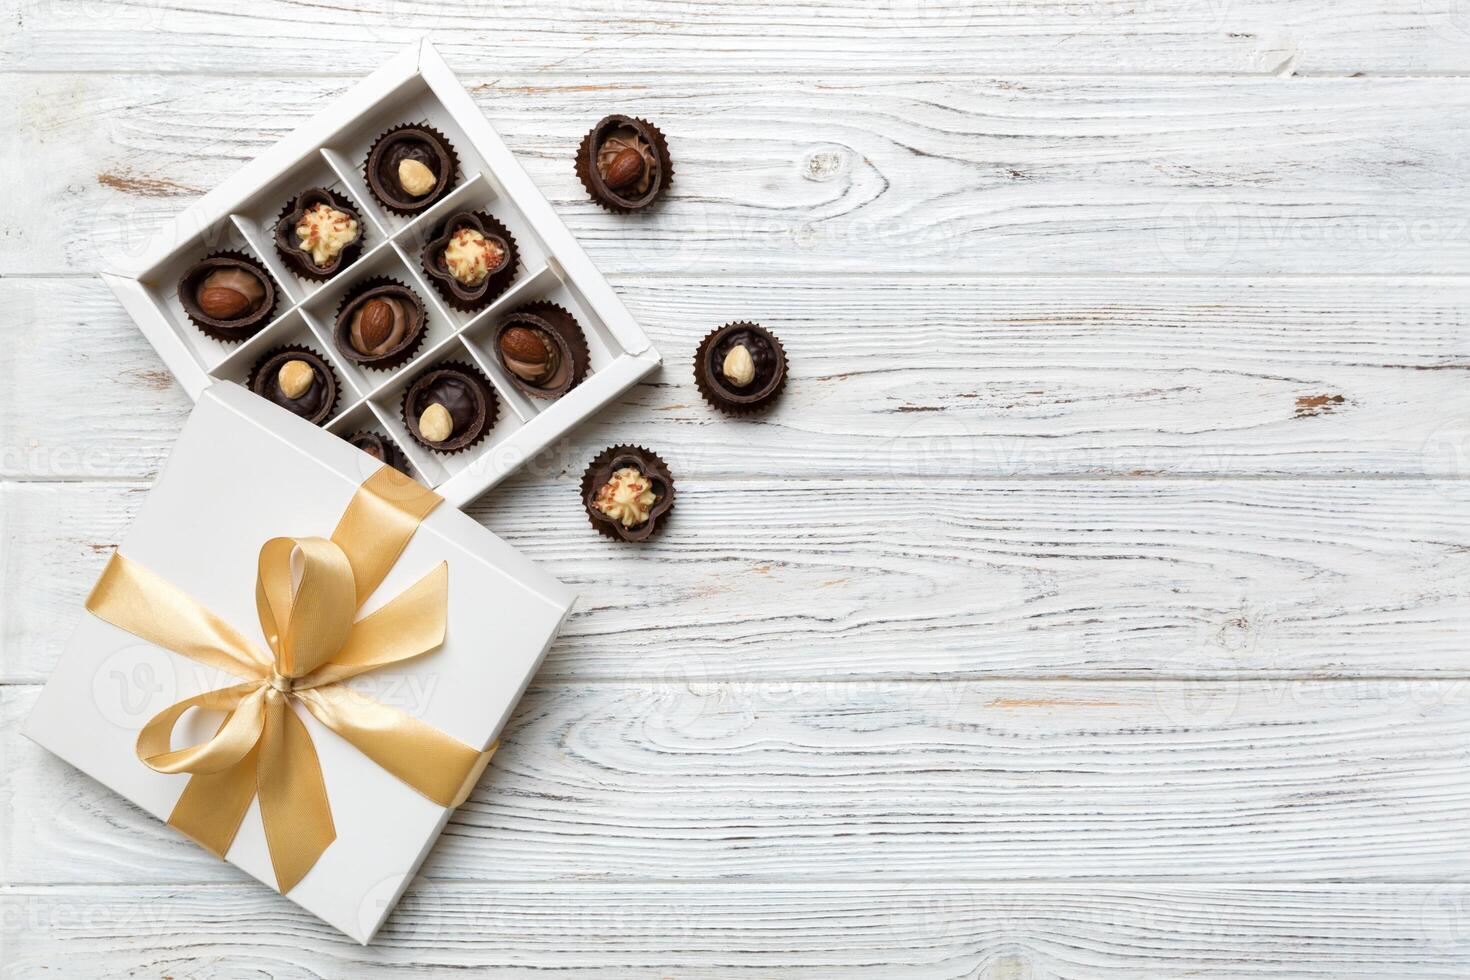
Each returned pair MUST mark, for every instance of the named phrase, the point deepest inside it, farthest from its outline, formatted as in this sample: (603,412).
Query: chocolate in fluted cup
(381,448)
(767,362)
(465,298)
(652,180)
(317,402)
(421,144)
(600,473)
(297,259)
(467,396)
(199,309)
(563,347)
(415,327)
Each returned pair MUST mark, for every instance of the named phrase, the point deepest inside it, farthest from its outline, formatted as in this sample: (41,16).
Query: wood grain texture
(976,176)
(927,377)
(601,39)
(1244,781)
(905,578)
(924,931)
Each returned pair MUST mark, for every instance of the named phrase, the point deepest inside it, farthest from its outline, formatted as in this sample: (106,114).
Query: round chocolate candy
(299,380)
(740,368)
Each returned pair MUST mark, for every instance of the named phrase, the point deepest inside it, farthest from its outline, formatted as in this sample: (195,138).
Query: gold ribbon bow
(307,591)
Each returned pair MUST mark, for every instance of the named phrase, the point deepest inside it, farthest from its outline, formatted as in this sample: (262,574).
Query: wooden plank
(794,579)
(1244,781)
(598,40)
(931,377)
(1010,176)
(1009,932)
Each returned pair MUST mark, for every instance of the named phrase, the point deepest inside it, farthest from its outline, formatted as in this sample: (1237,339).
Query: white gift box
(329,151)
(245,471)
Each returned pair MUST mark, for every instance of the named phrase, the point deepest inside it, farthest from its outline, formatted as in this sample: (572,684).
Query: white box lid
(244,471)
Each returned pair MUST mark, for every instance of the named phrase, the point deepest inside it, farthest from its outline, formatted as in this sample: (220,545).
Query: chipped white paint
(1094,604)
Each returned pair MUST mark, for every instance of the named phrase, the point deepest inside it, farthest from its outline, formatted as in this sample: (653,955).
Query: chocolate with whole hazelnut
(740,368)
(228,296)
(380,324)
(449,407)
(410,167)
(626,491)
(299,380)
(542,347)
(624,163)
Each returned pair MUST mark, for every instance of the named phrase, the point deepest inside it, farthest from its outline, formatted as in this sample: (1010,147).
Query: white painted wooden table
(1095,604)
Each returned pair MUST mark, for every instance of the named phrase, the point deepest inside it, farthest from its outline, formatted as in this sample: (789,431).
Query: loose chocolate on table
(542,347)
(229,296)
(319,234)
(381,448)
(740,368)
(410,167)
(380,323)
(624,163)
(299,380)
(471,259)
(626,491)
(450,407)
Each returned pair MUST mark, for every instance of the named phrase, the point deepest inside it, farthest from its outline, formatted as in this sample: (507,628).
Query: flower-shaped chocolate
(626,491)
(471,260)
(624,163)
(319,234)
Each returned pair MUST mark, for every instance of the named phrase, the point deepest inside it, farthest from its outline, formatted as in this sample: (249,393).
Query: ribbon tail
(440,767)
(377,524)
(293,795)
(214,804)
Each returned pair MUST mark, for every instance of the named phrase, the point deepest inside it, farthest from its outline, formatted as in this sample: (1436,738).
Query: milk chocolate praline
(316,402)
(381,448)
(462,295)
(413,151)
(380,323)
(290,248)
(542,348)
(464,393)
(600,473)
(619,180)
(229,296)
(767,365)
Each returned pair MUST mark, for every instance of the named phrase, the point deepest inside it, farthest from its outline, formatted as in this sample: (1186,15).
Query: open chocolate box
(330,151)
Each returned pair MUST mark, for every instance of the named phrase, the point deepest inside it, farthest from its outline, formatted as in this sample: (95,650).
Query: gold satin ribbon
(307,591)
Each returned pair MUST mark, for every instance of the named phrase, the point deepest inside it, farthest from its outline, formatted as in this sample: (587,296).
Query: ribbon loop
(307,592)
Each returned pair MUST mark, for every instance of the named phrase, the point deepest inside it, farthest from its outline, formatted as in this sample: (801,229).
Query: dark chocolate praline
(600,472)
(450,280)
(624,163)
(381,448)
(767,365)
(426,152)
(380,324)
(464,393)
(293,251)
(561,362)
(221,315)
(316,402)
